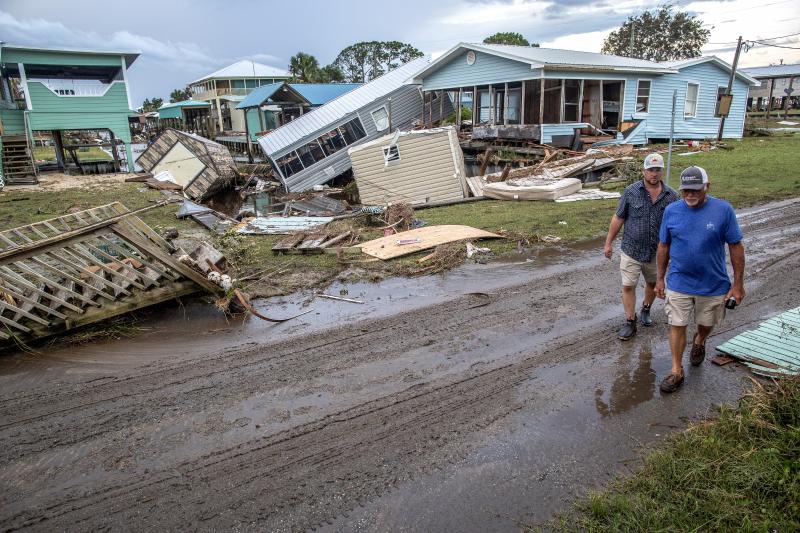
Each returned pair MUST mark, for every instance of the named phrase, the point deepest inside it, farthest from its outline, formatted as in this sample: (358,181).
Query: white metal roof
(774,71)
(553,58)
(338,108)
(683,63)
(246,69)
(130,55)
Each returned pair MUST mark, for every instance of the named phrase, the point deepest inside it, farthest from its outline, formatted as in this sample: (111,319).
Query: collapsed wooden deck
(84,267)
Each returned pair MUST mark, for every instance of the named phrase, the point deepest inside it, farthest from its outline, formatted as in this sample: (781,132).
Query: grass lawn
(92,153)
(755,170)
(740,472)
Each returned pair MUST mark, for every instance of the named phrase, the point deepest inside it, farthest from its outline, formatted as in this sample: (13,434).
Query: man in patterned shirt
(640,210)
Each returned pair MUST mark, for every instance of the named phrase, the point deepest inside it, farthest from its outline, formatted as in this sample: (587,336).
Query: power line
(777,45)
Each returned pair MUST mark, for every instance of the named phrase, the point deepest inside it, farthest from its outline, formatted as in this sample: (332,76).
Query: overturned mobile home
(417,167)
(312,149)
(202,167)
(84,267)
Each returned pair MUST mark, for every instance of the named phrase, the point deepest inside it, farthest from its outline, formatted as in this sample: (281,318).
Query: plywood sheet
(422,239)
(183,164)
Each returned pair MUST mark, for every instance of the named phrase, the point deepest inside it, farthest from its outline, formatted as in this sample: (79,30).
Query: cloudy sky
(181,40)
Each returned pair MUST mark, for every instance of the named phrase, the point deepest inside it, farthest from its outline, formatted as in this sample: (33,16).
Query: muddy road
(426,408)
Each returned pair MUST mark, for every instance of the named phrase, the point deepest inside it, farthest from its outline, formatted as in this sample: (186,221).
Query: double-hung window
(690,105)
(643,96)
(381,118)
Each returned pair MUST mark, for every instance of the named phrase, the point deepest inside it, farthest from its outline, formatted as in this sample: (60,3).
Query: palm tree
(304,68)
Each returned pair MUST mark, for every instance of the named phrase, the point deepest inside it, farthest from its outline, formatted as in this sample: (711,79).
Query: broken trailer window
(290,164)
(353,131)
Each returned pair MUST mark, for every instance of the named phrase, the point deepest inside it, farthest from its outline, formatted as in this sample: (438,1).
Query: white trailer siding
(430,168)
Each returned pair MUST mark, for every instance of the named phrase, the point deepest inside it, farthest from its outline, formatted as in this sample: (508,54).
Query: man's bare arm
(662,260)
(737,262)
(613,230)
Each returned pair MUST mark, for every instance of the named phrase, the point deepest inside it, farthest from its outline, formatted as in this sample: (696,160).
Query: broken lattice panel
(83,267)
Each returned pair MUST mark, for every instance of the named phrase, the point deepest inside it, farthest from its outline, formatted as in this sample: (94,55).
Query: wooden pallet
(80,268)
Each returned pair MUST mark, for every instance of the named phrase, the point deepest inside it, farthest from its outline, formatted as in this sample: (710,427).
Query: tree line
(661,34)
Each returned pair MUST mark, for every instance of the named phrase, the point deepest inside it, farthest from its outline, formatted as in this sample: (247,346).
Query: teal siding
(170,112)
(486,69)
(52,112)
(253,124)
(704,125)
(31,57)
(13,121)
(43,100)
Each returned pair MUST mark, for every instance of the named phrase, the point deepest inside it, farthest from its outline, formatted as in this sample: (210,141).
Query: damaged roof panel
(339,108)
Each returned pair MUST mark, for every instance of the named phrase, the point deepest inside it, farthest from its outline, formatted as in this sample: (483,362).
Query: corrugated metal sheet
(337,109)
(773,71)
(246,69)
(281,225)
(550,58)
(321,93)
(186,103)
(772,349)
(258,95)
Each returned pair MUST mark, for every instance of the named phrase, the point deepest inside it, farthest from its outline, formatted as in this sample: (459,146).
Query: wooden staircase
(18,165)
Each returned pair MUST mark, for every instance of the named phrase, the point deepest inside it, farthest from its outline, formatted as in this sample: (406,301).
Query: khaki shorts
(631,269)
(708,310)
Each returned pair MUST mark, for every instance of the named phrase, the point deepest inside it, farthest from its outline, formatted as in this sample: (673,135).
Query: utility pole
(730,85)
(671,132)
(633,33)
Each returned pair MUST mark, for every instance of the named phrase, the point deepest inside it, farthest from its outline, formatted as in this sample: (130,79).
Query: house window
(722,91)
(643,96)
(391,153)
(690,105)
(290,164)
(484,106)
(572,95)
(381,118)
(514,103)
(352,131)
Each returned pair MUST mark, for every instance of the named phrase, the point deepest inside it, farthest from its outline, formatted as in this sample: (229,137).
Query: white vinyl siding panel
(430,169)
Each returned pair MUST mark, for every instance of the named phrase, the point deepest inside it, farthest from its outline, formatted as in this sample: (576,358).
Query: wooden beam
(157,253)
(522,104)
(475,105)
(491,105)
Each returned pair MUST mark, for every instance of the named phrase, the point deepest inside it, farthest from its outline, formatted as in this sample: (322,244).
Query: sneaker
(628,330)
(644,316)
(697,355)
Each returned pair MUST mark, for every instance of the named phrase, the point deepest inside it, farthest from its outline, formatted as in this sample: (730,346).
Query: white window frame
(389,157)
(686,100)
(375,121)
(636,100)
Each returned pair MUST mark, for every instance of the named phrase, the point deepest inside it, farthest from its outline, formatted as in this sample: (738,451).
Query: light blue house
(546,94)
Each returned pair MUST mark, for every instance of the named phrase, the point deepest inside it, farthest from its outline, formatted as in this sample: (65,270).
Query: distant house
(271,106)
(225,88)
(312,148)
(55,90)
(548,93)
(776,84)
(185,111)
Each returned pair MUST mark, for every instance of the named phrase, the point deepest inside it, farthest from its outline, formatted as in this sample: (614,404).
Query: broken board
(425,238)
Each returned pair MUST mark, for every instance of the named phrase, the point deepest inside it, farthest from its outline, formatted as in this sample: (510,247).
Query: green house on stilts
(46,91)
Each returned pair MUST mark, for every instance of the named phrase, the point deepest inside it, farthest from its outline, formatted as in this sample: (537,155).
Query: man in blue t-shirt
(692,242)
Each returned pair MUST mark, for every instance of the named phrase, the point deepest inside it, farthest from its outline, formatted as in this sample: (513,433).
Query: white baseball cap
(653,161)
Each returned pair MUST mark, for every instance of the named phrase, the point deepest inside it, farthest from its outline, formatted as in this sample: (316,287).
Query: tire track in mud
(304,475)
(275,481)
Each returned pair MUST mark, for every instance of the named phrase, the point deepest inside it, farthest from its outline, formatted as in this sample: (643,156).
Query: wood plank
(164,257)
(20,311)
(55,298)
(428,237)
(161,270)
(78,248)
(33,302)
